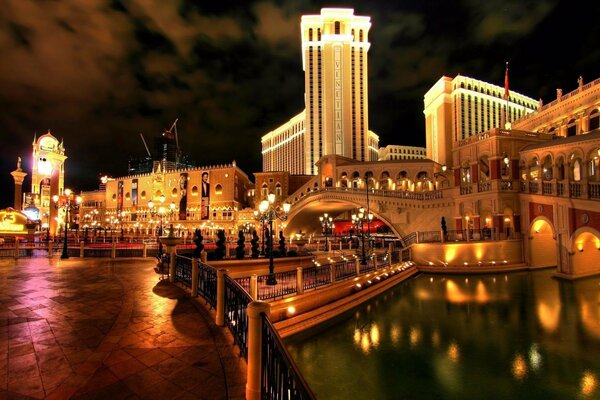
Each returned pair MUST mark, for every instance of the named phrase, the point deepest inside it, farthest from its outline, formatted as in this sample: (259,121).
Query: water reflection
(430,335)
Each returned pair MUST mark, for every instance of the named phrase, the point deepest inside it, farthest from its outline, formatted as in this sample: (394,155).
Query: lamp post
(68,204)
(261,218)
(368,214)
(327,224)
(269,213)
(358,220)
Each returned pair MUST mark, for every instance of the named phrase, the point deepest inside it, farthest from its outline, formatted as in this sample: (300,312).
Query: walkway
(99,328)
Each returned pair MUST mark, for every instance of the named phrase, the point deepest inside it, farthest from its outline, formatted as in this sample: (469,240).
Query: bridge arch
(304,215)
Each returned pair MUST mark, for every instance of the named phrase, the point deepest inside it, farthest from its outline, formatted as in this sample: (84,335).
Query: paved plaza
(101,328)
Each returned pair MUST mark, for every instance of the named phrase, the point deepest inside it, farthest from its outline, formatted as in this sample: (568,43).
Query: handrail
(280,377)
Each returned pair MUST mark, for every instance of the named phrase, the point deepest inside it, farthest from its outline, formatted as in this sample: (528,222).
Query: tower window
(337,27)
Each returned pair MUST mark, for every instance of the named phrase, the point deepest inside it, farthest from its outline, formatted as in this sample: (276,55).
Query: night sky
(99,72)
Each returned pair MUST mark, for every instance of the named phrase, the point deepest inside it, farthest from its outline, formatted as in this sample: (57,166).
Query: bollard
(16,248)
(299,281)
(357,267)
(194,277)
(113,251)
(254,286)
(81,250)
(145,251)
(221,297)
(254,366)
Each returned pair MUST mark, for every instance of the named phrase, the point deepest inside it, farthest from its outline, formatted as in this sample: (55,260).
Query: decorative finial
(19,164)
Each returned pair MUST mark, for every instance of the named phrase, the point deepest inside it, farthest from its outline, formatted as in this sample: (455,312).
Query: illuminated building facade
(206,198)
(458,108)
(396,152)
(335,119)
(47,178)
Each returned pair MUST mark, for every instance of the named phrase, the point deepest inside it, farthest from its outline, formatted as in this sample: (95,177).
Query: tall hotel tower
(460,107)
(335,119)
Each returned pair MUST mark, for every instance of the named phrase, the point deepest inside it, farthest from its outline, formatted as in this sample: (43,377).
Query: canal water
(506,336)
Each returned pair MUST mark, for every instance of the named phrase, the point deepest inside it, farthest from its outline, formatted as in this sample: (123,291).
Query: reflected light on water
(435,338)
(482,295)
(590,317)
(374,333)
(519,367)
(588,383)
(415,336)
(395,334)
(548,316)
(356,336)
(453,292)
(535,358)
(453,352)
(364,343)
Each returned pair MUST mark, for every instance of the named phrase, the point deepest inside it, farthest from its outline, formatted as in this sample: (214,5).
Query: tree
(254,244)
(198,243)
(239,250)
(282,249)
(220,251)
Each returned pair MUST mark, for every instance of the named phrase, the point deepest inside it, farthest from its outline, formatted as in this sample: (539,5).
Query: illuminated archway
(585,251)
(542,243)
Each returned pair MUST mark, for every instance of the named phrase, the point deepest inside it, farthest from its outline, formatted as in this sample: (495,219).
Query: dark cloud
(100,72)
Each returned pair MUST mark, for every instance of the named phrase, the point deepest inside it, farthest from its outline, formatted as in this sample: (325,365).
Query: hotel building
(335,119)
(396,152)
(458,108)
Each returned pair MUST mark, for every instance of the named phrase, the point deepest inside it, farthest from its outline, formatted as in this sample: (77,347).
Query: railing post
(357,267)
(50,248)
(16,247)
(194,277)
(145,251)
(417,236)
(254,286)
(220,320)
(81,249)
(113,250)
(332,273)
(299,281)
(172,255)
(390,250)
(375,261)
(254,369)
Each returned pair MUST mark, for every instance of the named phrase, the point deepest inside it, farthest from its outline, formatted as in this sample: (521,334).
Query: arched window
(594,120)
(547,168)
(534,169)
(310,35)
(560,169)
(174,192)
(337,27)
(505,165)
(576,170)
(278,189)
(264,191)
(218,189)
(594,166)
(127,196)
(195,191)
(484,168)
(572,128)
(143,194)
(384,181)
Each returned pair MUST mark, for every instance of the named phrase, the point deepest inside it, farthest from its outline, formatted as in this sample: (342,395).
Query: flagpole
(507,95)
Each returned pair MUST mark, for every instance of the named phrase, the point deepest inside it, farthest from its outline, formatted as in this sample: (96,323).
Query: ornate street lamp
(162,212)
(269,213)
(68,204)
(358,220)
(328,225)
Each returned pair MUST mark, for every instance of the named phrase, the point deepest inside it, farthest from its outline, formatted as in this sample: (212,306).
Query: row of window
(218,190)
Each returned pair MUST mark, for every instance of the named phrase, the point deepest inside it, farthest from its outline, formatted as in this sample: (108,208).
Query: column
(253,375)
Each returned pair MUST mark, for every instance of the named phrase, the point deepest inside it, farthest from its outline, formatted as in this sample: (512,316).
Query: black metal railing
(207,284)
(183,270)
(236,302)
(314,277)
(345,269)
(286,284)
(280,377)
(575,189)
(594,190)
(547,188)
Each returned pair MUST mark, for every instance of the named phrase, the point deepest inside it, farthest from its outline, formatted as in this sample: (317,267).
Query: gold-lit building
(206,198)
(335,119)
(460,107)
(396,152)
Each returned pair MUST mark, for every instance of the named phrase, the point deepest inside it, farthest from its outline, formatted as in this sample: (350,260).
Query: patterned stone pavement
(101,328)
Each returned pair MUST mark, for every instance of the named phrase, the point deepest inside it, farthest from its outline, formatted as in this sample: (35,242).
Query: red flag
(506,93)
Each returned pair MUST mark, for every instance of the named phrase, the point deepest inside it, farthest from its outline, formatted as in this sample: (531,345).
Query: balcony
(466,189)
(484,186)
